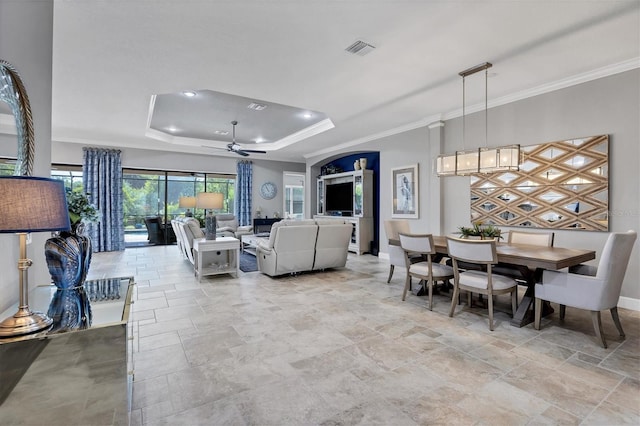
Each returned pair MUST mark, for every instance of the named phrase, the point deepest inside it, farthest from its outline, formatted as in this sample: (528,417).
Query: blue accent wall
(345,164)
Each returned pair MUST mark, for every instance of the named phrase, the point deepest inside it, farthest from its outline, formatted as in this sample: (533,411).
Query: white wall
(26,29)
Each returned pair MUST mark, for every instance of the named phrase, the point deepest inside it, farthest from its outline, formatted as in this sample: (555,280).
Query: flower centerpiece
(80,209)
(485,232)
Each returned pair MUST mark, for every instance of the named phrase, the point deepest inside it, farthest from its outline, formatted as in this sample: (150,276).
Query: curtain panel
(102,179)
(243,192)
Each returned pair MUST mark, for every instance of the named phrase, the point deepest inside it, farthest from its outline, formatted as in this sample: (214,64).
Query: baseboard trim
(629,303)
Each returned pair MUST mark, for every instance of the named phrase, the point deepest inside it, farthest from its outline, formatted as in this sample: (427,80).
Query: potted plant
(478,230)
(80,209)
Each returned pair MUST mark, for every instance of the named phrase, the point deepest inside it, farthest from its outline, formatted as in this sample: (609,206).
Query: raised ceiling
(203,118)
(110,58)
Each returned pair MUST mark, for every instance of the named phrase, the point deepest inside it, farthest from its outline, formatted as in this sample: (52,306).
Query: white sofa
(186,229)
(304,245)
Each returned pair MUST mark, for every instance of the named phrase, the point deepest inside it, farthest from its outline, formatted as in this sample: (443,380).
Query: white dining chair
(392,229)
(593,289)
(542,239)
(425,270)
(481,252)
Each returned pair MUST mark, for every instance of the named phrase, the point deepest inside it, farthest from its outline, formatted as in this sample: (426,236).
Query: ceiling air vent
(360,48)
(256,106)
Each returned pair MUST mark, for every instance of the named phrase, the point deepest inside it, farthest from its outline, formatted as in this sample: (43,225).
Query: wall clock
(268,190)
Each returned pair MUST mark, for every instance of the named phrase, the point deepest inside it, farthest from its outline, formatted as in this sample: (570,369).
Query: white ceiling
(111,57)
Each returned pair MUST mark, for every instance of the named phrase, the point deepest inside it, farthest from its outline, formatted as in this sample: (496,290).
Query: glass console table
(75,376)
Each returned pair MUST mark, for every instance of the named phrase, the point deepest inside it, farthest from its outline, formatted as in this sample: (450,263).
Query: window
(70,175)
(151,193)
(157,193)
(293,196)
(7,166)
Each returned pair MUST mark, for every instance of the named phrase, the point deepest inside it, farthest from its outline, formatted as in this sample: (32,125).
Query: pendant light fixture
(480,160)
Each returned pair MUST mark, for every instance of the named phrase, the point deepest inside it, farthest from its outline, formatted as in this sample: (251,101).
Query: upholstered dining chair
(483,253)
(542,239)
(396,255)
(593,289)
(426,270)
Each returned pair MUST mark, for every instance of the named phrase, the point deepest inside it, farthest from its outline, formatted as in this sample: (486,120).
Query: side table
(219,256)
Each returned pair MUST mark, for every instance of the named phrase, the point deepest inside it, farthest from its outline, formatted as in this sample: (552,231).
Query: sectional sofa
(304,245)
(186,229)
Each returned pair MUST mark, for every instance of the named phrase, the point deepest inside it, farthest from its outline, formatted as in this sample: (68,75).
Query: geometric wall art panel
(560,185)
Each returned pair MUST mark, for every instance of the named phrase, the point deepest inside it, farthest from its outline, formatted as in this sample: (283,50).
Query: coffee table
(219,256)
(250,242)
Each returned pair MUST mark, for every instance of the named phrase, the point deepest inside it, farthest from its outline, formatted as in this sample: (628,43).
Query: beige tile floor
(340,348)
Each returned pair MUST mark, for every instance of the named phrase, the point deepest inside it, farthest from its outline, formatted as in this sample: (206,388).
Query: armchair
(227,226)
(158,232)
(599,289)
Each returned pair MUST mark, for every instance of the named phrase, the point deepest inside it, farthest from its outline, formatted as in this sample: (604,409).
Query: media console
(349,196)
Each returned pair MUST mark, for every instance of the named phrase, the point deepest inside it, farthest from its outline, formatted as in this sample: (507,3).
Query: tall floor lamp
(30,204)
(211,201)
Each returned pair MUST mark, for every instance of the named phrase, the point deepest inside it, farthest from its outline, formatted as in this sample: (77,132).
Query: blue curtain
(244,186)
(102,179)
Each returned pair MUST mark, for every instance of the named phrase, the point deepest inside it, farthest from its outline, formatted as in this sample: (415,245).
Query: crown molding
(539,90)
(401,129)
(551,87)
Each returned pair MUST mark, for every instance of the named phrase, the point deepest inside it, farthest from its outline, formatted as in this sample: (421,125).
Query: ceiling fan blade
(241,152)
(255,151)
(215,147)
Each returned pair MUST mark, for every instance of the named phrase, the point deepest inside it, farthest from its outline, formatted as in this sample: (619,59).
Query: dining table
(530,261)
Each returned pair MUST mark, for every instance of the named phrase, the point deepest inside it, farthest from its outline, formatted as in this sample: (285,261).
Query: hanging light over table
(481,160)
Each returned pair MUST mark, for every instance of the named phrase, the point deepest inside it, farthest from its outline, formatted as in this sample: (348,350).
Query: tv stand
(361,215)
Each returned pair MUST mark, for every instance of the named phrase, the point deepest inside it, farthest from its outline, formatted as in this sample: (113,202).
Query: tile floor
(340,348)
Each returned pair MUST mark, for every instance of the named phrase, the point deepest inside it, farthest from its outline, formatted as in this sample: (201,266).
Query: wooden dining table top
(533,257)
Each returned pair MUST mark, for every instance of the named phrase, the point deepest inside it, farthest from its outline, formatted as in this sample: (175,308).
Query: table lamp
(30,204)
(188,203)
(209,200)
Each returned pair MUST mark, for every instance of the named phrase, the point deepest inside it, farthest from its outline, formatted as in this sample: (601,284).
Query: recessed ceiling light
(259,140)
(256,106)
(189,93)
(307,115)
(172,129)
(221,132)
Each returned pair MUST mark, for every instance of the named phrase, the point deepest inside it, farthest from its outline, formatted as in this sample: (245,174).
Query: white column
(434,193)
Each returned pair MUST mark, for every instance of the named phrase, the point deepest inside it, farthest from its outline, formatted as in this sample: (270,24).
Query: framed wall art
(405,192)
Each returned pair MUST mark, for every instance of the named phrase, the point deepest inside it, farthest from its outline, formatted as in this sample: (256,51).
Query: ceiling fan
(235,147)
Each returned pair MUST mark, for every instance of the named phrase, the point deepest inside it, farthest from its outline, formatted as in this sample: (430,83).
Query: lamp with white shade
(186,202)
(211,201)
(30,204)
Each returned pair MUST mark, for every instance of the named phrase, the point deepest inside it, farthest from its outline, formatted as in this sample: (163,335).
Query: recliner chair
(227,226)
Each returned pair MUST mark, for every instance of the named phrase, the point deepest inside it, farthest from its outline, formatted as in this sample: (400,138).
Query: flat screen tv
(339,197)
